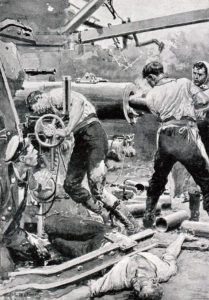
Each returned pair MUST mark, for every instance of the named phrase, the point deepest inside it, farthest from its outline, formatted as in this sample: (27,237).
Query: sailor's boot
(97,207)
(121,212)
(194,205)
(149,215)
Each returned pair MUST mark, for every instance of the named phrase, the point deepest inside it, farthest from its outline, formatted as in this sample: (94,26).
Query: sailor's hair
(154,68)
(200,65)
(30,100)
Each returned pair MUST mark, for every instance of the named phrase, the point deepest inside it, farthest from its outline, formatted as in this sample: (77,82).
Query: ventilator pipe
(200,229)
(138,210)
(172,221)
(140,185)
(165,201)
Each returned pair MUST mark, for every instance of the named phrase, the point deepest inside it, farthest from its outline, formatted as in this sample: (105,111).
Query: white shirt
(141,265)
(88,108)
(175,98)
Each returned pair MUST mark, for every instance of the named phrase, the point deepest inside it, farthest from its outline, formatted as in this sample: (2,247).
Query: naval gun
(110,99)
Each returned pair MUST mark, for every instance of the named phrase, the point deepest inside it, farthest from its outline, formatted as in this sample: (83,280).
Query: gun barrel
(34,72)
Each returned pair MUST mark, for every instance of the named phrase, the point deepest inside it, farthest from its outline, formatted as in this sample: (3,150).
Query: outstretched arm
(201,105)
(174,248)
(201,99)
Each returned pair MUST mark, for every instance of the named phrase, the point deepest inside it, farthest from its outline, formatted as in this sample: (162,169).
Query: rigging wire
(112,10)
(121,60)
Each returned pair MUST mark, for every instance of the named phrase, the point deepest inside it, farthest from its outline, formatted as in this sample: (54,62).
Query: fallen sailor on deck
(142,273)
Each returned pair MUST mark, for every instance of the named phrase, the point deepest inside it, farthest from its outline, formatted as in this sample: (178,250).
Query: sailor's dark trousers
(88,158)
(175,144)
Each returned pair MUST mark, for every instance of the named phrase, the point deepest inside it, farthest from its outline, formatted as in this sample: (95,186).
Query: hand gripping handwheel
(47,130)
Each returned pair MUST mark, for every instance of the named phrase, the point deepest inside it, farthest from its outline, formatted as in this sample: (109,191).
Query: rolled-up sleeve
(198,96)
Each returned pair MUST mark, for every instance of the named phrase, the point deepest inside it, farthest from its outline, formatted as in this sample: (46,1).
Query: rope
(53,199)
(54,196)
(48,210)
(60,153)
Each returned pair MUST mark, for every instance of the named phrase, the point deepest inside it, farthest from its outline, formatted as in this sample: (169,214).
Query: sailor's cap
(14,148)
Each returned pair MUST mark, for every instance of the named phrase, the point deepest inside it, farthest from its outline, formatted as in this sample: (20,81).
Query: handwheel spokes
(48,141)
(54,121)
(47,130)
(42,126)
(41,136)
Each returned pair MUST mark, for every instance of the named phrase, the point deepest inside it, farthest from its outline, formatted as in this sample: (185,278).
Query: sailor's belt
(181,122)
(85,122)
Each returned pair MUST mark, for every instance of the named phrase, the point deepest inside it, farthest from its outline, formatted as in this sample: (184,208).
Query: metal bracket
(21,32)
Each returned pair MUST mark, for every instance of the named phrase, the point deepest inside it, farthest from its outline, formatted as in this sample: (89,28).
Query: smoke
(181,50)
